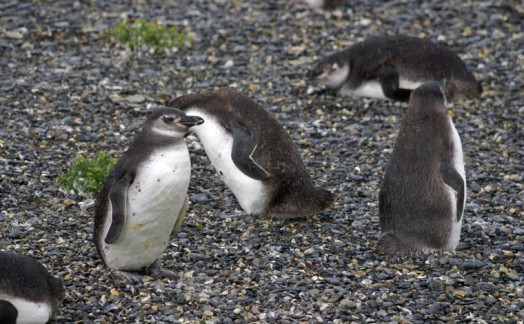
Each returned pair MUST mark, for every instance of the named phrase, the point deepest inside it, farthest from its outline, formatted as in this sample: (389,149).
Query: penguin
(390,67)
(423,192)
(254,155)
(324,4)
(144,198)
(28,292)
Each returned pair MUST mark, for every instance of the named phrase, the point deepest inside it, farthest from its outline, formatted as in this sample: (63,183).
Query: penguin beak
(190,121)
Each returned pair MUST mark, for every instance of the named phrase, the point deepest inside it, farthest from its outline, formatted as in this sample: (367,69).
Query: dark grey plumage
(261,149)
(399,64)
(422,195)
(24,278)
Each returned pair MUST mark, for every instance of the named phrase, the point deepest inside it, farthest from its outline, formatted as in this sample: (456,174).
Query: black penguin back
(23,277)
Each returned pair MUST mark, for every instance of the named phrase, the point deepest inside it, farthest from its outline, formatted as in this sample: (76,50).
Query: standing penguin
(28,292)
(144,198)
(423,193)
(254,155)
(390,67)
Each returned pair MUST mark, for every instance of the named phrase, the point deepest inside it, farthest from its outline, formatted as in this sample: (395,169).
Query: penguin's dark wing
(118,198)
(390,81)
(8,312)
(244,145)
(452,178)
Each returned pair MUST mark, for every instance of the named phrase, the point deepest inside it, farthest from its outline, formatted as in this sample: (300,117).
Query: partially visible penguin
(28,292)
(423,193)
(324,4)
(390,67)
(144,198)
(254,155)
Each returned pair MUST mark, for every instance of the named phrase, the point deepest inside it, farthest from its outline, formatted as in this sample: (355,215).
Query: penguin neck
(336,79)
(155,137)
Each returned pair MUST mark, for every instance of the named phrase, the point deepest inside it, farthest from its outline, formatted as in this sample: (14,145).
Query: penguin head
(429,94)
(171,122)
(333,71)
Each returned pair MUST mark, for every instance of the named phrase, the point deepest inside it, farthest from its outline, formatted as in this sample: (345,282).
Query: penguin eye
(168,119)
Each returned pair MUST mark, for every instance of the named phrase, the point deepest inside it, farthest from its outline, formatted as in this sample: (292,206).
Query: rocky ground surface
(65,92)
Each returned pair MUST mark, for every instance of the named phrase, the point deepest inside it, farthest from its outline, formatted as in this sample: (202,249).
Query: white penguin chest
(218,144)
(154,201)
(30,312)
(458,164)
(372,89)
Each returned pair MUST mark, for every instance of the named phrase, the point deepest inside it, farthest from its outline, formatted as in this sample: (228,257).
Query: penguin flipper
(244,145)
(118,198)
(181,214)
(452,178)
(390,81)
(8,312)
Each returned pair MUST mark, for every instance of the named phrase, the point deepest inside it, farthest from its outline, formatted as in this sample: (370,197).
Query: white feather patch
(30,312)
(154,201)
(458,163)
(336,78)
(218,144)
(372,89)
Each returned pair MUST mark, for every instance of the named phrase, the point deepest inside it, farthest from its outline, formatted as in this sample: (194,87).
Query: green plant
(87,175)
(149,33)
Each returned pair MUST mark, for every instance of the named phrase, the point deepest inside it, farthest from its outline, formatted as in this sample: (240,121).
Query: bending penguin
(254,155)
(144,198)
(28,292)
(390,67)
(423,193)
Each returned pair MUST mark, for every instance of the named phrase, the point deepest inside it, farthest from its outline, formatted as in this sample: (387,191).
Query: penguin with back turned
(254,155)
(28,292)
(144,198)
(423,192)
(390,67)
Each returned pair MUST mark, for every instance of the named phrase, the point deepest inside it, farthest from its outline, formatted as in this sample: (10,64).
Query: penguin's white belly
(372,89)
(154,201)
(250,193)
(410,85)
(30,312)
(458,163)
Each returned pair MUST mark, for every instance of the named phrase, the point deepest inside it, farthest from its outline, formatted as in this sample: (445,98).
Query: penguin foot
(157,272)
(129,277)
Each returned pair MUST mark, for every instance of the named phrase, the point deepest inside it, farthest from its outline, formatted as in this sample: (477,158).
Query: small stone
(14,34)
(136,99)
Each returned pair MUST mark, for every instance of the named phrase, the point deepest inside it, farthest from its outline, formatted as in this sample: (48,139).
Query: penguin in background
(28,292)
(144,198)
(254,155)
(390,67)
(423,192)
(322,4)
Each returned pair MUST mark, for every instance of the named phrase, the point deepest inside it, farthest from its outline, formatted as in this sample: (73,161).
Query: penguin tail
(388,243)
(312,202)
(322,199)
(479,88)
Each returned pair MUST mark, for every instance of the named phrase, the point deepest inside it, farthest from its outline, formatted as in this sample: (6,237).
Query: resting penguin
(28,292)
(324,4)
(144,198)
(390,67)
(423,193)
(254,155)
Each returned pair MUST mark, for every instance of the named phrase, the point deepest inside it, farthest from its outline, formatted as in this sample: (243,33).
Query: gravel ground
(65,92)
